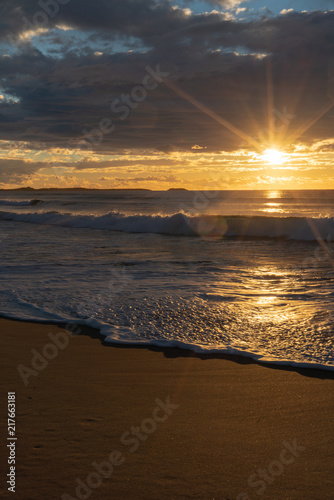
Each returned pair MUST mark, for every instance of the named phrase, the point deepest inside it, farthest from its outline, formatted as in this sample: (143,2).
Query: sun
(274,156)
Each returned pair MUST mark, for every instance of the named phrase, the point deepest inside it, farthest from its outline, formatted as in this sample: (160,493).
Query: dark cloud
(60,98)
(137,18)
(12,171)
(150,178)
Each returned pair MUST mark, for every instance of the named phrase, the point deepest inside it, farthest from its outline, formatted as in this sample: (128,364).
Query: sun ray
(314,119)
(250,140)
(270,98)
(274,156)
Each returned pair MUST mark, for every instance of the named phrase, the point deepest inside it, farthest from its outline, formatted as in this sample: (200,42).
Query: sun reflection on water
(273,194)
(273,207)
(264,301)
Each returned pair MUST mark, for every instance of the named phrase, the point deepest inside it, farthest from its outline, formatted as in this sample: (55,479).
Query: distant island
(177,189)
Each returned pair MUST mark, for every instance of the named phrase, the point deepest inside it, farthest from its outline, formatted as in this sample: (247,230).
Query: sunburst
(274,156)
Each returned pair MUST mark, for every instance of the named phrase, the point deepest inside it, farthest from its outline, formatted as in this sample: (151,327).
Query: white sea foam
(124,335)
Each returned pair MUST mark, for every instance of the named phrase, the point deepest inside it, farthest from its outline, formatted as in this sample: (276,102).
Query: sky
(160,94)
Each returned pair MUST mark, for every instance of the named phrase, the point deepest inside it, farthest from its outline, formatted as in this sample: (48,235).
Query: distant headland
(75,189)
(28,188)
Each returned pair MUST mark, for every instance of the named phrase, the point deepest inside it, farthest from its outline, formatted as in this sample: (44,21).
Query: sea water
(237,272)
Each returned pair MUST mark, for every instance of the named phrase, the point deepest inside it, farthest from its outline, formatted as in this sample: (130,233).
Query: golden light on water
(274,156)
(273,205)
(273,195)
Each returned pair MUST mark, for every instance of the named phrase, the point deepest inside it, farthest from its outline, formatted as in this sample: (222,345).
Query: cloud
(241,10)
(63,80)
(225,3)
(151,178)
(286,11)
(17,170)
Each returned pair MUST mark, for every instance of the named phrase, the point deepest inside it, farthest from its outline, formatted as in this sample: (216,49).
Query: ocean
(245,273)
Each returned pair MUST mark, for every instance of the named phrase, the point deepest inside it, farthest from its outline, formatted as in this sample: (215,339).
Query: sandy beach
(167,183)
(161,424)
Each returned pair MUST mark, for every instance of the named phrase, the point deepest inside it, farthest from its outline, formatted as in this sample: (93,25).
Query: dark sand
(232,420)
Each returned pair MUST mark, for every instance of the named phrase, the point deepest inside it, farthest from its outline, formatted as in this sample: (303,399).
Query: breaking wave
(291,228)
(23,203)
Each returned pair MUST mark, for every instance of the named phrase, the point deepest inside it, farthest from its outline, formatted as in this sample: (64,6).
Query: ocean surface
(238,272)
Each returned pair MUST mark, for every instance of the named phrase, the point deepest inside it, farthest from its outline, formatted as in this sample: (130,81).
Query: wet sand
(167,424)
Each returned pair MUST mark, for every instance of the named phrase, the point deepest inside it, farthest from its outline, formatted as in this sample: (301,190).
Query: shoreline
(230,420)
(312,370)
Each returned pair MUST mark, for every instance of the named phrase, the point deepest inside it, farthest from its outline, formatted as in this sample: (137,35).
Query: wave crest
(23,203)
(179,224)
